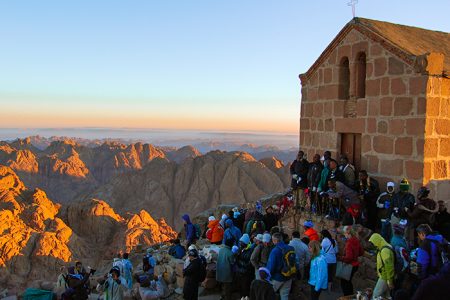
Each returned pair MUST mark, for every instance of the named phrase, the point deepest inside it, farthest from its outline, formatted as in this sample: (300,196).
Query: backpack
(203,264)
(442,252)
(198,231)
(289,262)
(258,227)
(401,259)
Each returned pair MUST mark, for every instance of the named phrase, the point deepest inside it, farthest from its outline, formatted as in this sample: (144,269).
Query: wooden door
(351,146)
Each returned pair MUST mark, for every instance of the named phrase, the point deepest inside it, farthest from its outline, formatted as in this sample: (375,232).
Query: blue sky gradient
(228,65)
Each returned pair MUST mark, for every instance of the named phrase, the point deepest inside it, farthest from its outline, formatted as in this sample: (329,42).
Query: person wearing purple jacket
(429,258)
(189,228)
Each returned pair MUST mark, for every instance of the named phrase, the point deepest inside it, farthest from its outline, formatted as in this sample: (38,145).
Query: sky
(203,65)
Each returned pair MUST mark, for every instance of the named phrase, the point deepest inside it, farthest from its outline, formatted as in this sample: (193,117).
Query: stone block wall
(390,118)
(437,129)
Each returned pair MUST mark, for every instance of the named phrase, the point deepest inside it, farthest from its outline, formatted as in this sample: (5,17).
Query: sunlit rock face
(37,237)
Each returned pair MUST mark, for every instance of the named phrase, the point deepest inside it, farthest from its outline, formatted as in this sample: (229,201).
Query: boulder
(180,282)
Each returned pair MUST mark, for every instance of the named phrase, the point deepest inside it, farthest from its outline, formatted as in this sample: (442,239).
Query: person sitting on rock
(261,288)
(232,232)
(149,263)
(309,231)
(176,250)
(114,285)
(78,283)
(352,216)
(215,232)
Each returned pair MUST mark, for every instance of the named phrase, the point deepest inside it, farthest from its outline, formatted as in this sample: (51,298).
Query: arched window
(344,79)
(361,75)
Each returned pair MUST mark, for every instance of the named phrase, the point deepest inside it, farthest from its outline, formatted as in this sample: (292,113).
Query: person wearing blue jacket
(280,283)
(177,250)
(232,232)
(429,258)
(318,273)
(189,228)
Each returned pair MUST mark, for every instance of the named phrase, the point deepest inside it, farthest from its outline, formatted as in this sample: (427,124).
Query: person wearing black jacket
(270,218)
(314,174)
(335,174)
(262,289)
(245,273)
(192,275)
(299,172)
(369,190)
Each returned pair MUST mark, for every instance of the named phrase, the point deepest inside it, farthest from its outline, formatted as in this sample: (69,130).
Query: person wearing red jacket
(352,251)
(310,232)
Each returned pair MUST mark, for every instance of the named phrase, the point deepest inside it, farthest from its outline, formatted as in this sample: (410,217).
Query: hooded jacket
(428,255)
(262,290)
(189,228)
(232,232)
(216,231)
(385,258)
(225,262)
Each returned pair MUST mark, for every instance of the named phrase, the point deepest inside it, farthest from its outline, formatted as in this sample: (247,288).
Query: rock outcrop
(37,238)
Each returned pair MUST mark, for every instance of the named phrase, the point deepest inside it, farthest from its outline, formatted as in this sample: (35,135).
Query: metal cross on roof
(353,3)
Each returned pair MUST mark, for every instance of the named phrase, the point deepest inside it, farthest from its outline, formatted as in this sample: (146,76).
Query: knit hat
(245,239)
(265,270)
(235,209)
(211,218)
(224,216)
(404,185)
(259,237)
(235,249)
(308,224)
(266,238)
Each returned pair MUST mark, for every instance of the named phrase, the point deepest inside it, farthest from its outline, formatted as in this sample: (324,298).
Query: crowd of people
(258,260)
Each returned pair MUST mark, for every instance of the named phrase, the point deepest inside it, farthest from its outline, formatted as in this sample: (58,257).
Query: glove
(314,189)
(294,176)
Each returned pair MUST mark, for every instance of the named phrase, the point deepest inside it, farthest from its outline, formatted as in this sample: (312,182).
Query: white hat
(266,238)
(192,247)
(390,184)
(211,218)
(259,237)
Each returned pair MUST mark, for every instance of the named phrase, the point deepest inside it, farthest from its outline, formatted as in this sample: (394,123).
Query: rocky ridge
(37,238)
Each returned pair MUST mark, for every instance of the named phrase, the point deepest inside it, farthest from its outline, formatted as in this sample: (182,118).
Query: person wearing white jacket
(329,251)
(114,285)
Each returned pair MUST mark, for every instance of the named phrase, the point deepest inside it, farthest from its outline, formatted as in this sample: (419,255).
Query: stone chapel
(380,93)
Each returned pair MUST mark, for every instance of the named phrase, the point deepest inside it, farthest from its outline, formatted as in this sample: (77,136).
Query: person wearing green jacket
(385,266)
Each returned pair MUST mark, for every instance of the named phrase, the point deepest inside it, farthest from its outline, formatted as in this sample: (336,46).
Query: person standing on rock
(352,251)
(329,251)
(232,232)
(189,228)
(301,251)
(281,284)
(369,190)
(261,288)
(114,285)
(385,266)
(224,274)
(318,273)
(384,203)
(299,173)
(244,269)
(127,270)
(310,232)
(215,232)
(192,276)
